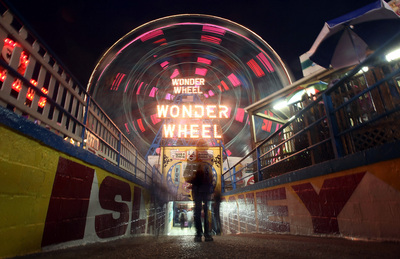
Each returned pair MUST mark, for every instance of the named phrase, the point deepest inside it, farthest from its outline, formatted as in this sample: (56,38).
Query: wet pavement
(230,246)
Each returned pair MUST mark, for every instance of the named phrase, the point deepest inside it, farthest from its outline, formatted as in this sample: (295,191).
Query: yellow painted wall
(27,173)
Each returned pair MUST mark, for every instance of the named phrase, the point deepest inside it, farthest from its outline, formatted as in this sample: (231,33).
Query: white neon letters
(192,111)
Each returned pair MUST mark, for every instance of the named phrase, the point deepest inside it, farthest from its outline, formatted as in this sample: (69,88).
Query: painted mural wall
(363,203)
(49,200)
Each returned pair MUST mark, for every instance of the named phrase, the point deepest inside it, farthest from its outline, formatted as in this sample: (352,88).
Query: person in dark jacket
(201,191)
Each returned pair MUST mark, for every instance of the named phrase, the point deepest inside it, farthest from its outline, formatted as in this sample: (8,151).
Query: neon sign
(187,85)
(193,112)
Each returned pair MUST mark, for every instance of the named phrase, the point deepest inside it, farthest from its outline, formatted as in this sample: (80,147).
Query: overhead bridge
(72,184)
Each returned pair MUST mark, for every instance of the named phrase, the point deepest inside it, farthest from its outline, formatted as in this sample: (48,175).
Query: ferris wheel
(237,67)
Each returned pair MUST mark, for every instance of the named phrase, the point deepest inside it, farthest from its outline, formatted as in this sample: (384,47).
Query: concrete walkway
(230,246)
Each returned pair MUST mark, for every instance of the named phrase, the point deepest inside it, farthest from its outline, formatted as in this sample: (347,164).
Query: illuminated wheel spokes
(135,75)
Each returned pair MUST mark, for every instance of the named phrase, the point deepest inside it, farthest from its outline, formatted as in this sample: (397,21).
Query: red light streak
(211,39)
(213,29)
(161,42)
(140,123)
(234,80)
(256,68)
(226,87)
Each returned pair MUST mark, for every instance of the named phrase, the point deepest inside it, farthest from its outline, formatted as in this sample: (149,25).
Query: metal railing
(34,85)
(360,111)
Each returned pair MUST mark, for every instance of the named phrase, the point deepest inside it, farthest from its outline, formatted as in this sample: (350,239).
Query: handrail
(342,121)
(34,85)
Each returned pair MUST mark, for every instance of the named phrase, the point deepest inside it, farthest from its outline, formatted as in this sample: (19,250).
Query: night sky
(78,32)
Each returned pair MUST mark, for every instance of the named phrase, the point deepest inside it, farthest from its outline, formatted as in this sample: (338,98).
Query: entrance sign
(173,166)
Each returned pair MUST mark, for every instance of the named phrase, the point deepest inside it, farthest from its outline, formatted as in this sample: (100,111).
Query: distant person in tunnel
(201,191)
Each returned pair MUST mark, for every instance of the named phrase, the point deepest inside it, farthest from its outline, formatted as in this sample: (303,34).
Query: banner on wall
(175,160)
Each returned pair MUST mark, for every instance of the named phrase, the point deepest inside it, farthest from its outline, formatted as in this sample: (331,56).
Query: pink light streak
(239,114)
(147,36)
(155,119)
(151,35)
(213,29)
(127,129)
(201,71)
(210,93)
(138,90)
(169,97)
(164,64)
(153,91)
(211,39)
(117,81)
(234,80)
(265,62)
(174,74)
(204,60)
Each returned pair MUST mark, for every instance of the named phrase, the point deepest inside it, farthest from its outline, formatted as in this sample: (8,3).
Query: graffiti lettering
(326,206)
